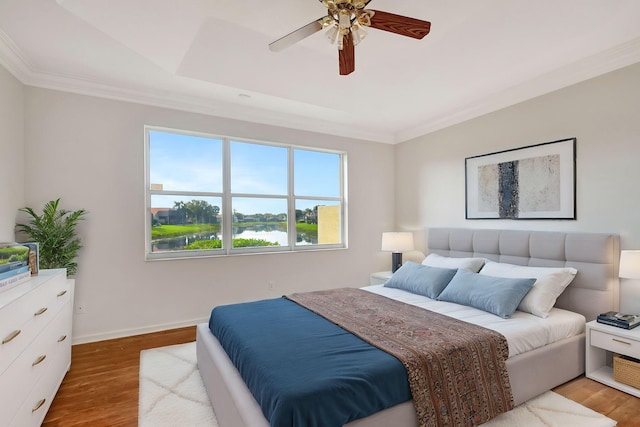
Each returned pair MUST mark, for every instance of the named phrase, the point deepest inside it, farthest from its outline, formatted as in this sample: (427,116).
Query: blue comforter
(304,370)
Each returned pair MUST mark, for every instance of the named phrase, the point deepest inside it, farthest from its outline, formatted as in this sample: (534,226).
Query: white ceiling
(211,56)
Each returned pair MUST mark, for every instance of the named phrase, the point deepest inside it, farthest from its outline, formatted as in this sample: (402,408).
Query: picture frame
(532,182)
(34,264)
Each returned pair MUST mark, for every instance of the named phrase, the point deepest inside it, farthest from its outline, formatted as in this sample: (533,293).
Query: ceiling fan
(346,21)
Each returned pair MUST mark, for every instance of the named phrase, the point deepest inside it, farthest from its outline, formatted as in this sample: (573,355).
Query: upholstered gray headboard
(595,256)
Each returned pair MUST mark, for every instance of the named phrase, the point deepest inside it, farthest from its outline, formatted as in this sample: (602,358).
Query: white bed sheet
(523,331)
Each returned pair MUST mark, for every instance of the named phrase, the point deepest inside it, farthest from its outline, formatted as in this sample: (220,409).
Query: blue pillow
(420,279)
(496,295)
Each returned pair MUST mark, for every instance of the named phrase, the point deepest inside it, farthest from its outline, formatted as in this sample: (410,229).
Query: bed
(593,290)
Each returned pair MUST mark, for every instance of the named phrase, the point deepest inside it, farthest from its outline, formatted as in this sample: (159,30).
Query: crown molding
(13,60)
(612,59)
(17,64)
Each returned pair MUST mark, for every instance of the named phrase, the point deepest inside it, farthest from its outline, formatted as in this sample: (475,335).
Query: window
(211,195)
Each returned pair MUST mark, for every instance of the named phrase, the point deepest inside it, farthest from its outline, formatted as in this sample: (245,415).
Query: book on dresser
(14,265)
(613,318)
(15,279)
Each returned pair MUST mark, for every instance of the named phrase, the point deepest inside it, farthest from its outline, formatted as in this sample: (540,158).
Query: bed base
(593,291)
(530,373)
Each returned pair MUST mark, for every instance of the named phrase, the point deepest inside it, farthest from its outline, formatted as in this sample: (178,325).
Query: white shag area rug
(172,394)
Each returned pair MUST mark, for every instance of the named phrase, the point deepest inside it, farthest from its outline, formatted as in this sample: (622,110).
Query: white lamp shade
(397,241)
(629,264)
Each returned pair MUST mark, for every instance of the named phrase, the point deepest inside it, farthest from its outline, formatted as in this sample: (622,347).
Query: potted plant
(55,231)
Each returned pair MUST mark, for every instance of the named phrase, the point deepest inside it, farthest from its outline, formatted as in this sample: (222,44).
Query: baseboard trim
(85,339)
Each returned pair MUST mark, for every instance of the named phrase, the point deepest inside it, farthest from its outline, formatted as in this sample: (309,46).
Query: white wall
(89,151)
(12,149)
(602,113)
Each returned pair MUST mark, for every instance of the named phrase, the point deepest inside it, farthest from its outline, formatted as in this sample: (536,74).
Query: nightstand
(379,278)
(602,342)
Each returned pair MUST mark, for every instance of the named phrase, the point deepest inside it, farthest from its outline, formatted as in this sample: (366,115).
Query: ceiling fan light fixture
(327,21)
(333,34)
(364,17)
(359,4)
(346,24)
(344,19)
(359,33)
(340,41)
(329,4)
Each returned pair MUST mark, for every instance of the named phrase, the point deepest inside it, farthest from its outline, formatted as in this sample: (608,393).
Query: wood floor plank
(101,389)
(615,404)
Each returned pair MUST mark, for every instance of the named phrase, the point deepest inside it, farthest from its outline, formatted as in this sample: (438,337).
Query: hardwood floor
(101,389)
(615,404)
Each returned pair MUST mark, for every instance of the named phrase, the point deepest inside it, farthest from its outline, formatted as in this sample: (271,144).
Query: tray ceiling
(211,56)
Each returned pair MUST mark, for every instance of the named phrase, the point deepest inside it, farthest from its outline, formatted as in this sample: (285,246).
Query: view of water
(270,233)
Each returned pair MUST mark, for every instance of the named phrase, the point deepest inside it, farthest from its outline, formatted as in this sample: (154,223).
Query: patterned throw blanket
(456,370)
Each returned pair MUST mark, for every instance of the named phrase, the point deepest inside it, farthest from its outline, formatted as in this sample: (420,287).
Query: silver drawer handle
(39,360)
(41,311)
(620,341)
(62,293)
(62,338)
(11,336)
(38,405)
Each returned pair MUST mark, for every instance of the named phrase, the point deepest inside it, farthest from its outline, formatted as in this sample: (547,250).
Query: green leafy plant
(237,243)
(55,231)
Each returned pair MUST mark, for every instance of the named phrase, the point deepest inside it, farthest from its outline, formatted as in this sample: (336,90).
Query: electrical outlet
(80,308)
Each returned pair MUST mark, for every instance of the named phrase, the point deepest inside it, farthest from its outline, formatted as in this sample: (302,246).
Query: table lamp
(629,264)
(396,243)
(630,269)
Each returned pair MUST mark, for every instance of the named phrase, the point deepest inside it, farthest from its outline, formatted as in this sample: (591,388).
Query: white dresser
(35,349)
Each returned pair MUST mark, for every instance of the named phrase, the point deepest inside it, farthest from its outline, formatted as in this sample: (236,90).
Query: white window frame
(226,196)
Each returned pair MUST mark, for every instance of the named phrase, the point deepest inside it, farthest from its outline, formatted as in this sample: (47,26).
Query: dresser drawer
(23,320)
(33,409)
(19,324)
(615,343)
(38,359)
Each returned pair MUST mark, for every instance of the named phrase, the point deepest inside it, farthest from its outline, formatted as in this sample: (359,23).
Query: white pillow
(550,283)
(471,264)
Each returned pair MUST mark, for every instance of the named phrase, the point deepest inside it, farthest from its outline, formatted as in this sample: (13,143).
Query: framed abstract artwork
(533,182)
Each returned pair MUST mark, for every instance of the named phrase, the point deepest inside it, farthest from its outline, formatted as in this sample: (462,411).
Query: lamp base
(396,261)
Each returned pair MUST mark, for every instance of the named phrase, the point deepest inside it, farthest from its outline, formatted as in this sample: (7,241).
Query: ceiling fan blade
(297,35)
(347,56)
(403,25)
